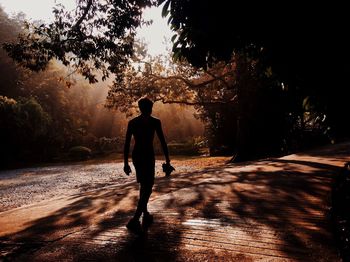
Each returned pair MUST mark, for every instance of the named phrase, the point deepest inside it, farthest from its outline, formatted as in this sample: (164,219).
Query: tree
(98,36)
(305,46)
(221,97)
(306,43)
(23,126)
(71,108)
(170,82)
(305,50)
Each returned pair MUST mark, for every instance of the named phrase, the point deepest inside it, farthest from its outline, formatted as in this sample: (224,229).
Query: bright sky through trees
(42,10)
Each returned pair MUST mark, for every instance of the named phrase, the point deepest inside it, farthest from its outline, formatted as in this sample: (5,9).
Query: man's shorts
(145,171)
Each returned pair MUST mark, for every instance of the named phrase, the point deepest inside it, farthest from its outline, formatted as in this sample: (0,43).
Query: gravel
(27,186)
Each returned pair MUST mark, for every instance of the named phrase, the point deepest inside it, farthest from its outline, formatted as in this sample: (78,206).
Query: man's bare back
(143,129)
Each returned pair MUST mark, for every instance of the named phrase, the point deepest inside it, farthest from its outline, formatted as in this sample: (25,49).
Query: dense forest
(47,115)
(259,91)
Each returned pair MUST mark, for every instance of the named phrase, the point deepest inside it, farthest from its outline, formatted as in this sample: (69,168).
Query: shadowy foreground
(268,210)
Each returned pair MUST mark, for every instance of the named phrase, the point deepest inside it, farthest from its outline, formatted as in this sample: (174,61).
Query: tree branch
(218,78)
(164,100)
(86,11)
(186,81)
(184,102)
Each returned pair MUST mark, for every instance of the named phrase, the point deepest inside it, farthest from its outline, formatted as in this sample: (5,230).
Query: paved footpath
(268,210)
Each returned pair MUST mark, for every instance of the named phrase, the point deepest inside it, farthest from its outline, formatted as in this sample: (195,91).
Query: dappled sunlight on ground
(27,186)
(273,209)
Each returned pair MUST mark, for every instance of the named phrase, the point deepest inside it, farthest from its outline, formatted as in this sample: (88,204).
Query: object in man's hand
(127,170)
(167,169)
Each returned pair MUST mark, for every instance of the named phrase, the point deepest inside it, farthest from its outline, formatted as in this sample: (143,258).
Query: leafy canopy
(98,35)
(305,45)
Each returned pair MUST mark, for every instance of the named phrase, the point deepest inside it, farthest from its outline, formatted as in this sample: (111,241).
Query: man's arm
(127,168)
(160,134)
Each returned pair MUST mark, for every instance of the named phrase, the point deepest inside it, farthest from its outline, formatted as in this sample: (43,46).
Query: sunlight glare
(158,34)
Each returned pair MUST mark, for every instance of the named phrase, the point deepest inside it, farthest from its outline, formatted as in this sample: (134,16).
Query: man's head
(145,106)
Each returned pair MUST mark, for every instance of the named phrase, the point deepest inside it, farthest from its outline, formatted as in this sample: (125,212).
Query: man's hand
(127,169)
(167,168)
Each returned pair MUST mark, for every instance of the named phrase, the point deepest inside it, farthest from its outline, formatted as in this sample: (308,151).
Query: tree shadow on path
(275,207)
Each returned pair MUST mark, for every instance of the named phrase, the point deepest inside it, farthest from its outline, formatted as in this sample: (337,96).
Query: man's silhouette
(143,128)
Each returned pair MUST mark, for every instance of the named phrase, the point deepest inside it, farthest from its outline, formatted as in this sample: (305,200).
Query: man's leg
(134,224)
(145,193)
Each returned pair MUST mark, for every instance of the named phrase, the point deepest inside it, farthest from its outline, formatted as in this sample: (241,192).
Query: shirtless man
(143,128)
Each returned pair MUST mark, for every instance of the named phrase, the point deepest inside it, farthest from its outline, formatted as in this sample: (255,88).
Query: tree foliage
(69,111)
(224,94)
(266,61)
(243,104)
(23,124)
(97,36)
(305,45)
(169,82)
(76,110)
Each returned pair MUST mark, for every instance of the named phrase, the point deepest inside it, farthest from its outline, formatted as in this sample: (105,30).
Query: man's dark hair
(145,105)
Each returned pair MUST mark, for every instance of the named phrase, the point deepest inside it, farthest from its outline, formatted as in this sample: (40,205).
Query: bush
(221,151)
(182,149)
(106,144)
(24,129)
(80,152)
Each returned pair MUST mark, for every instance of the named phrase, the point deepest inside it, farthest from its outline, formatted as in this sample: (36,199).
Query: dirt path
(27,186)
(269,210)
